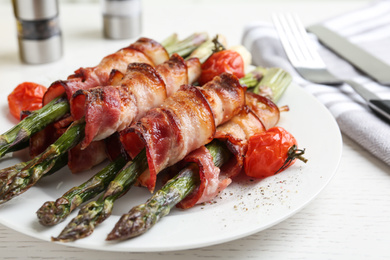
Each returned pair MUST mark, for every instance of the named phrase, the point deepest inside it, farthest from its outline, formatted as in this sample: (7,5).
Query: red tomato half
(270,152)
(222,61)
(26,96)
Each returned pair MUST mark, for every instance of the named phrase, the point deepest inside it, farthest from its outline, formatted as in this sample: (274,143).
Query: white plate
(242,209)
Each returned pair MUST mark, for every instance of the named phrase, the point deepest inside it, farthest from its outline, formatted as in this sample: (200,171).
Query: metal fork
(300,51)
(308,63)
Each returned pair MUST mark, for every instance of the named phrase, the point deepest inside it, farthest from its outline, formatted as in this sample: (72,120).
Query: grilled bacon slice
(143,50)
(112,108)
(184,122)
(211,181)
(264,108)
(81,160)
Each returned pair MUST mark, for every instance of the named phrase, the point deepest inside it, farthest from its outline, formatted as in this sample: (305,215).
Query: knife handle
(381,107)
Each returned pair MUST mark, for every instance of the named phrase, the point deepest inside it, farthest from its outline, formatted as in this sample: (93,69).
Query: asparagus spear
(52,159)
(187,46)
(17,137)
(95,212)
(170,40)
(253,78)
(8,173)
(143,217)
(209,47)
(273,84)
(54,212)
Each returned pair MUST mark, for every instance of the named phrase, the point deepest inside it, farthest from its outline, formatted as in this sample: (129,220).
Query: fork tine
(294,36)
(297,44)
(300,51)
(300,30)
(289,45)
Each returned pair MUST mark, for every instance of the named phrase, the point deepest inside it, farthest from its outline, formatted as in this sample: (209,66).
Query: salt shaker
(122,19)
(39,34)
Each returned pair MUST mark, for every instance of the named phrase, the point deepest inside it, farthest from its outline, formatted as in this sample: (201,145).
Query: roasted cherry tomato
(26,96)
(222,61)
(271,152)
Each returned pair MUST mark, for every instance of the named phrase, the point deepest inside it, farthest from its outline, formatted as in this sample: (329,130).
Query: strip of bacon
(81,160)
(184,122)
(111,109)
(235,134)
(210,181)
(264,108)
(143,50)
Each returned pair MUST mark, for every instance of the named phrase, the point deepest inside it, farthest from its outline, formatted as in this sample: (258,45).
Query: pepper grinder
(122,18)
(39,34)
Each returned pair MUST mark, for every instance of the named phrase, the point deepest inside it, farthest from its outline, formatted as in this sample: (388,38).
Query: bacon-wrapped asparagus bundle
(146,86)
(183,123)
(209,169)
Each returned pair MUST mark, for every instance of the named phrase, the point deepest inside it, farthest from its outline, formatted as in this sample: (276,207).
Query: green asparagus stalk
(17,137)
(95,212)
(252,79)
(52,159)
(143,217)
(273,84)
(54,212)
(170,41)
(209,47)
(185,47)
(7,174)
(23,180)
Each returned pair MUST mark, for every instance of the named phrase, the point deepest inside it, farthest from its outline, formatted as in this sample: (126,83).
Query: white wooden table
(348,220)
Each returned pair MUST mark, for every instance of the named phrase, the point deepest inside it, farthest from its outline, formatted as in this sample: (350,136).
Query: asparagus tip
(129,225)
(84,223)
(73,232)
(50,214)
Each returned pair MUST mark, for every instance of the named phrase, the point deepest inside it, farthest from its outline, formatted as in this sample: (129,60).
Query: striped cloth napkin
(369,28)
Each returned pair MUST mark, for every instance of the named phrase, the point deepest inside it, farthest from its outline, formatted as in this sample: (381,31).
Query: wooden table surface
(348,220)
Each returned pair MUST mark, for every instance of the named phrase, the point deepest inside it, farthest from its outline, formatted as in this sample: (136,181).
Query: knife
(380,106)
(360,58)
